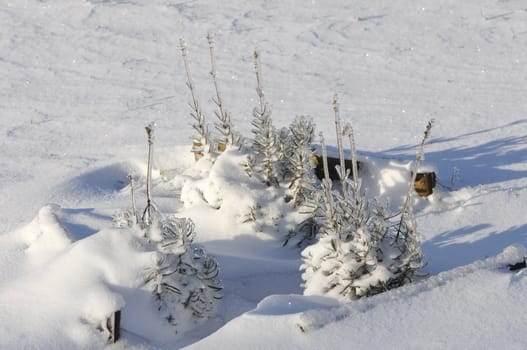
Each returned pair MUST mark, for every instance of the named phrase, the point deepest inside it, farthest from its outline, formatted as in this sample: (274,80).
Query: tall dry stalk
(348,130)
(147,213)
(408,198)
(202,140)
(343,173)
(132,190)
(223,125)
(259,88)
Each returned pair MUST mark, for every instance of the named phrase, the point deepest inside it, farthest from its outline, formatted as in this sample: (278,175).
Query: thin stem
(213,73)
(326,181)
(418,159)
(348,129)
(198,114)
(147,213)
(134,210)
(224,118)
(342,172)
(259,88)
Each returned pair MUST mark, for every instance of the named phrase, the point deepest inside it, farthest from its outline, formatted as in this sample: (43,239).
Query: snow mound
(441,311)
(105,180)
(71,288)
(234,203)
(45,236)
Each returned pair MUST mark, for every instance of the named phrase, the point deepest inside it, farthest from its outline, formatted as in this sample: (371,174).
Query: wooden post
(113,325)
(332,162)
(424,183)
(197,149)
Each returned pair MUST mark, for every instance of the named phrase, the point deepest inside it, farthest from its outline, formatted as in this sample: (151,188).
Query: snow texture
(80,80)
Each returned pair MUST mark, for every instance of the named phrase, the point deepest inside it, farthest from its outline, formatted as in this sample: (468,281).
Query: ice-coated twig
(343,173)
(132,190)
(224,125)
(259,87)
(147,213)
(199,119)
(409,192)
(326,182)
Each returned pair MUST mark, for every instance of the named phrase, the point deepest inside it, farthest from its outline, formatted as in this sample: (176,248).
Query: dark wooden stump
(517,266)
(113,325)
(197,149)
(424,183)
(332,162)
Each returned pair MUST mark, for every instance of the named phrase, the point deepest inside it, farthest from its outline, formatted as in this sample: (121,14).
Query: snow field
(81,80)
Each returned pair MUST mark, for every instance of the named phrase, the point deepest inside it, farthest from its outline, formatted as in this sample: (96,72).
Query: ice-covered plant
(359,251)
(223,124)
(265,143)
(183,278)
(201,140)
(148,212)
(321,260)
(300,159)
(127,217)
(284,169)
(409,257)
(344,253)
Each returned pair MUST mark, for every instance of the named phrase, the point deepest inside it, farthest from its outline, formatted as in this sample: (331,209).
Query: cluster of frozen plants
(351,245)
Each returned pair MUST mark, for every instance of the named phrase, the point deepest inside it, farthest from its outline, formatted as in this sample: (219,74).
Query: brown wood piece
(332,162)
(424,183)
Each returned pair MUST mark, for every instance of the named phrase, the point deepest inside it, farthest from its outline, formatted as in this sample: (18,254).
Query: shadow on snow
(465,245)
(479,163)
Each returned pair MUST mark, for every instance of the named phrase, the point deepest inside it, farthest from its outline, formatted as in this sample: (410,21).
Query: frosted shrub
(300,159)
(361,250)
(201,139)
(265,145)
(183,279)
(266,142)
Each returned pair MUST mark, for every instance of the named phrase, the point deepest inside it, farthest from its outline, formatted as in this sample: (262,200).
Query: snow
(81,80)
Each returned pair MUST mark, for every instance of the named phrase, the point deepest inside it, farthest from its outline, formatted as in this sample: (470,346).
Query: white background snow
(81,79)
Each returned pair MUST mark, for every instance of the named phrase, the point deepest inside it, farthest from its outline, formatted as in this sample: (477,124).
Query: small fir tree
(359,252)
(284,152)
(321,261)
(301,159)
(184,279)
(265,142)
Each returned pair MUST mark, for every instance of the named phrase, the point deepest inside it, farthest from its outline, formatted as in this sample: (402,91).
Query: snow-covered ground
(81,79)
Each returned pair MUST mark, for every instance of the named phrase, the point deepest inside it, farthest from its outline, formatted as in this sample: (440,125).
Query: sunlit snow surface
(80,80)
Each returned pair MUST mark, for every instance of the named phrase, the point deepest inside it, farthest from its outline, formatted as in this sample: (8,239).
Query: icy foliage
(301,159)
(358,251)
(81,79)
(265,145)
(201,139)
(183,278)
